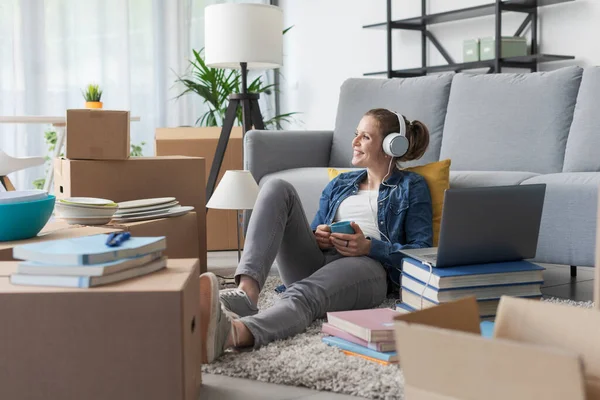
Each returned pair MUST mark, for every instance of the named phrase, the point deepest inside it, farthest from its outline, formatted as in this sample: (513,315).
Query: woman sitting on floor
(325,271)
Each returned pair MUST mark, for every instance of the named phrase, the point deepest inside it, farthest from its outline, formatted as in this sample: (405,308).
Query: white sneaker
(237,302)
(215,324)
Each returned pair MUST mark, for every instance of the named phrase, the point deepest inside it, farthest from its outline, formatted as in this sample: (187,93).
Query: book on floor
(337,332)
(38,268)
(479,292)
(87,281)
(87,250)
(502,273)
(374,325)
(389,356)
(353,354)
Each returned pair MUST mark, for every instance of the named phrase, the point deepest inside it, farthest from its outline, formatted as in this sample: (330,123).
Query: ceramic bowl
(26,219)
(72,211)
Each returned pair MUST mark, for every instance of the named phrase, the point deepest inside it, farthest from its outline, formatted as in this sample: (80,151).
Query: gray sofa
(498,129)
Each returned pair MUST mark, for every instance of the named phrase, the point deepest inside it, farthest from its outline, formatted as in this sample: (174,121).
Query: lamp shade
(250,33)
(236,191)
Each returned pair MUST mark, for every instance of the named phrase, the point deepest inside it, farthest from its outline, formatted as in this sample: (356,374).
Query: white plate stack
(85,210)
(146,209)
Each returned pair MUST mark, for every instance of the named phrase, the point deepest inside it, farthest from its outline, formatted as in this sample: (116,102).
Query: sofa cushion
(568,228)
(423,98)
(467,179)
(572,178)
(510,122)
(309,183)
(583,144)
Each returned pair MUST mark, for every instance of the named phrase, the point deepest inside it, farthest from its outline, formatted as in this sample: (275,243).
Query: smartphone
(342,227)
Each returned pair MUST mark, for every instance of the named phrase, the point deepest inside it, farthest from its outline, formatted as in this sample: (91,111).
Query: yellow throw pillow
(437,176)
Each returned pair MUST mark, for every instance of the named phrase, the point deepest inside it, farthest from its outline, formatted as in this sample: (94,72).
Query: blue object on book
(390,356)
(116,238)
(487,329)
(87,250)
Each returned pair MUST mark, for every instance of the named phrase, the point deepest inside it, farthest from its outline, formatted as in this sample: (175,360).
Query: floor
(557,283)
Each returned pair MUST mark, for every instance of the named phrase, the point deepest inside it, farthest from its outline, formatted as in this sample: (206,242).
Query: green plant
(50,137)
(93,93)
(136,151)
(214,86)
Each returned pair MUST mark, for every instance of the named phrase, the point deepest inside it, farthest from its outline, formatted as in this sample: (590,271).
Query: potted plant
(92,96)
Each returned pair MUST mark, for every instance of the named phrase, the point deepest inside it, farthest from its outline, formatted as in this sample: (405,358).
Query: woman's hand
(351,245)
(323,236)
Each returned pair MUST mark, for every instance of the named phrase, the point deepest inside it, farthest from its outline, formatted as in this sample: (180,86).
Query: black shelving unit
(420,23)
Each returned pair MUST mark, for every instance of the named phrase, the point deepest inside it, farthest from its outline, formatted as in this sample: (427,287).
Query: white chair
(10,164)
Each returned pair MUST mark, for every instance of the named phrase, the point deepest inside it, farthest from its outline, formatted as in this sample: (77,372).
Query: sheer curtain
(134,49)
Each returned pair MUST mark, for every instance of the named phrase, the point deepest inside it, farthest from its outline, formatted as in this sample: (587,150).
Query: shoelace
(232,293)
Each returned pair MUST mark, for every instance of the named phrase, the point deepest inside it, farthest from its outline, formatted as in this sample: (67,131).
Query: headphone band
(401,123)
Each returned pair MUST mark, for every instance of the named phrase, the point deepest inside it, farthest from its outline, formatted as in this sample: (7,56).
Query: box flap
(194,133)
(460,315)
(571,328)
(445,364)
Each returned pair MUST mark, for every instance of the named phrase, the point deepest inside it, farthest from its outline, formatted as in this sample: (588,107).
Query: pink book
(375,325)
(377,346)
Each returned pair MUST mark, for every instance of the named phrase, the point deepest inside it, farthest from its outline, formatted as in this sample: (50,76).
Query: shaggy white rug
(304,360)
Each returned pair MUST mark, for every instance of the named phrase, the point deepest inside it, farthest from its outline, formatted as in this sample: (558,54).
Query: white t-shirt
(362,209)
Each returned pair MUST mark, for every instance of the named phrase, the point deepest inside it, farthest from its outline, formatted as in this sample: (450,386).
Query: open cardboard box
(135,339)
(221,225)
(539,350)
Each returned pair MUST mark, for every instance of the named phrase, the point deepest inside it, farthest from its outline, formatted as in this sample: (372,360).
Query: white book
(37,268)
(87,281)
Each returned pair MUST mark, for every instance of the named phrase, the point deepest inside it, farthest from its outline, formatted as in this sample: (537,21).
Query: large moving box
(137,339)
(539,350)
(221,225)
(138,178)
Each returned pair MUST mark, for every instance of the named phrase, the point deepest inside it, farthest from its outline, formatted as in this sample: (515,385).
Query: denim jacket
(404,213)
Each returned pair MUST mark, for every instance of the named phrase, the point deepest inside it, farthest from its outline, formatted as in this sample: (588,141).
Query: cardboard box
(97,135)
(181,233)
(54,230)
(138,178)
(221,225)
(539,350)
(137,339)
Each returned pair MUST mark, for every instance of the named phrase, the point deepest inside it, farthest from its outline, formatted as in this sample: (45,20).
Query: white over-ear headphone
(396,144)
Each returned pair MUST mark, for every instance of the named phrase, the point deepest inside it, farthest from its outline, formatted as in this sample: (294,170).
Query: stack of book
(368,334)
(88,261)
(422,287)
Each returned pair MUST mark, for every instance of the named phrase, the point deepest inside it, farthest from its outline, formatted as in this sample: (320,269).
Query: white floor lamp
(238,191)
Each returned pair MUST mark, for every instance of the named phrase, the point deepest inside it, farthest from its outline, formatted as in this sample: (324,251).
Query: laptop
(485,225)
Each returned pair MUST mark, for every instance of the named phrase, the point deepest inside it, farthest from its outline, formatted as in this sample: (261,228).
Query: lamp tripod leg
(238,235)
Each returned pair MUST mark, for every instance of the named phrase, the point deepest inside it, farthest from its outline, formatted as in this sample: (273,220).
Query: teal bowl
(24,220)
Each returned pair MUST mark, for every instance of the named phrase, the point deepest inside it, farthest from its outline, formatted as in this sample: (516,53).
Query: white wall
(328,45)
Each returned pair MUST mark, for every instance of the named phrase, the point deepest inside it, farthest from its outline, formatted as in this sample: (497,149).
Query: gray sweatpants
(317,281)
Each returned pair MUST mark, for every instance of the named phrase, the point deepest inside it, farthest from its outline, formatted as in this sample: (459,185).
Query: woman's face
(367,144)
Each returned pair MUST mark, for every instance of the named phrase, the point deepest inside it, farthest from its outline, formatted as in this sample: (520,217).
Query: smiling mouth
(356,152)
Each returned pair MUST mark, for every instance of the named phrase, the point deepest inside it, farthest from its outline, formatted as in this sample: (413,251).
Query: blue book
(480,292)
(502,273)
(87,281)
(487,329)
(87,250)
(389,356)
(37,268)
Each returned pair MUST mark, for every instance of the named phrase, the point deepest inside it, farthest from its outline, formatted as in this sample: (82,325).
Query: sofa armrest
(266,152)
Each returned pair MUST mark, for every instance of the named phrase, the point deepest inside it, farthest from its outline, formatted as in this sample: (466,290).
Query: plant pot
(93,104)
